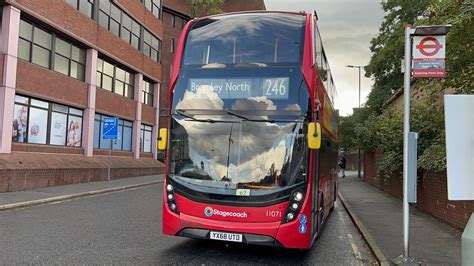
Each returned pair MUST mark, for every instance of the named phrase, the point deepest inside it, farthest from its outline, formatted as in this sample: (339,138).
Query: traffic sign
(110,128)
(429,56)
(429,46)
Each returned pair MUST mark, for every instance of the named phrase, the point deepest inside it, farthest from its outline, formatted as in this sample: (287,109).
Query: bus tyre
(335,198)
(320,218)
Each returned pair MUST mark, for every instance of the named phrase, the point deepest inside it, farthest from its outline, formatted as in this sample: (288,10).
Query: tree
(387,49)
(201,8)
(460,40)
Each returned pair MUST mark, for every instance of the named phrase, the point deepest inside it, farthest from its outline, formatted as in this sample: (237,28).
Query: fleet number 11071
(273,214)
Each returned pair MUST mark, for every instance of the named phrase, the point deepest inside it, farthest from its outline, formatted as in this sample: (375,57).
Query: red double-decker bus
(252,137)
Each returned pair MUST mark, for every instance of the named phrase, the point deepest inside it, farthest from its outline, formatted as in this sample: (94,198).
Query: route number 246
(276,87)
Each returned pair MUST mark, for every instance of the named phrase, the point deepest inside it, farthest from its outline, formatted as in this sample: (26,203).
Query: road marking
(374,247)
(355,249)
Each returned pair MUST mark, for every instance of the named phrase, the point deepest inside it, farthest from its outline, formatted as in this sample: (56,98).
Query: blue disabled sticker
(303,219)
(302,228)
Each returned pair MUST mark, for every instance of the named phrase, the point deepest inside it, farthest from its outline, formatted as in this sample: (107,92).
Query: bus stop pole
(110,160)
(406,130)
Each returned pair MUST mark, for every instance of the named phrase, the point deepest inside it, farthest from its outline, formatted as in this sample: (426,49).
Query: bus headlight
(171,199)
(298,196)
(290,216)
(173,206)
(294,206)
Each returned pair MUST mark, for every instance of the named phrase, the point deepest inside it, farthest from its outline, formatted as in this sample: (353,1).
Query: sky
(346,27)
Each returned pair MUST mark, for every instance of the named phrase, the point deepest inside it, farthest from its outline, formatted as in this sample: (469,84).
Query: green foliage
(388,49)
(433,158)
(347,140)
(460,41)
(376,128)
(388,129)
(200,8)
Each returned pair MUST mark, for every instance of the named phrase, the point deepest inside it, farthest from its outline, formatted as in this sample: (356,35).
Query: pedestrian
(342,166)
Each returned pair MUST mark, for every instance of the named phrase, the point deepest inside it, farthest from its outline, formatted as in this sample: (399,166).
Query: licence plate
(226,236)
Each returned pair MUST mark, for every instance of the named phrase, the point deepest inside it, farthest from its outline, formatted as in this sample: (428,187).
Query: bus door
(315,192)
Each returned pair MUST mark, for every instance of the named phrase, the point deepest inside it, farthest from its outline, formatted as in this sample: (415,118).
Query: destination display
(242,88)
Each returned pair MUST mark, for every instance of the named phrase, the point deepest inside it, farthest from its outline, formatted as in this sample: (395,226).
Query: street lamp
(359,162)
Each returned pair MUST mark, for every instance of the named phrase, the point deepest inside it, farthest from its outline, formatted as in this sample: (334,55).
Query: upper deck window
(254,39)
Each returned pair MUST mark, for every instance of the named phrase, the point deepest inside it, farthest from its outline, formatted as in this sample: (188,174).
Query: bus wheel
(335,198)
(320,218)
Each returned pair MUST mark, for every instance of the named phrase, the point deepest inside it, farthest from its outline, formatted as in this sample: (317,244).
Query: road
(125,228)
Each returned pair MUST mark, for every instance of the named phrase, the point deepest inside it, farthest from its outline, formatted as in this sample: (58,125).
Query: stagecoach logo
(209,211)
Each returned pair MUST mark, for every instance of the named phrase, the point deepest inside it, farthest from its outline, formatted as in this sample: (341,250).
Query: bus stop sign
(429,56)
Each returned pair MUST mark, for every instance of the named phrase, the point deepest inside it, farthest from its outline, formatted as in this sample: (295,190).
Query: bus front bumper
(252,239)
(275,234)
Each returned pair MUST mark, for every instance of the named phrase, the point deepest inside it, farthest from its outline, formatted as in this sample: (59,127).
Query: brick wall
(23,171)
(41,82)
(237,5)
(432,193)
(179,5)
(111,103)
(148,114)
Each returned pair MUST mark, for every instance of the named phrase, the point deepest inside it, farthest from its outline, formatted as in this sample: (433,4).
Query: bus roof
(303,13)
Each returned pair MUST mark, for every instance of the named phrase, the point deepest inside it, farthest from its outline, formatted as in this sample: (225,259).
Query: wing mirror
(163,139)
(314,135)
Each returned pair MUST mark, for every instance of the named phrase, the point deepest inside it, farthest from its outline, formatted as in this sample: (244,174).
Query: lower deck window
(145,138)
(41,122)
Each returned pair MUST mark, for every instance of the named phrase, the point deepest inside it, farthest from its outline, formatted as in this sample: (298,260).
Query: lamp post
(359,162)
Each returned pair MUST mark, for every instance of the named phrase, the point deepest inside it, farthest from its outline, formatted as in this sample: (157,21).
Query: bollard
(467,243)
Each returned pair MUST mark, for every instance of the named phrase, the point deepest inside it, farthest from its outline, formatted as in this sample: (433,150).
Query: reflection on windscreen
(242,154)
(245,39)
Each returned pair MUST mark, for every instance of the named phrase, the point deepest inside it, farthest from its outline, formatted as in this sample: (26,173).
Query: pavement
(13,200)
(431,241)
(124,227)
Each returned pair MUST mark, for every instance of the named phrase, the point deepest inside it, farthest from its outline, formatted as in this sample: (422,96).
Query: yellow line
(355,250)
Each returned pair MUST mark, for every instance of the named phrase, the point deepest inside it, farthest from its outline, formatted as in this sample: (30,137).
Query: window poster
(58,129)
(20,120)
(37,126)
(74,131)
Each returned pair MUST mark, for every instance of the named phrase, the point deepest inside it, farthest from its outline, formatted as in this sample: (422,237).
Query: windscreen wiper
(209,120)
(249,119)
(182,113)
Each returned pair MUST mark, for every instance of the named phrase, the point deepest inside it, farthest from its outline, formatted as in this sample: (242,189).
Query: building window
(84,6)
(151,46)
(173,21)
(124,141)
(114,78)
(183,23)
(130,31)
(110,16)
(171,70)
(36,46)
(145,138)
(147,93)
(115,20)
(172,45)
(40,122)
(154,6)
